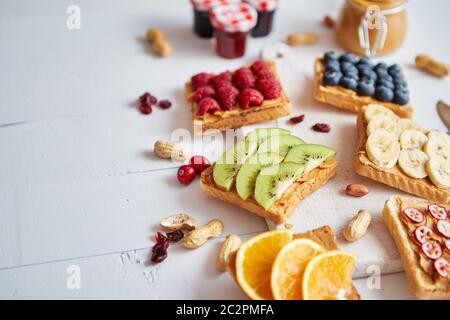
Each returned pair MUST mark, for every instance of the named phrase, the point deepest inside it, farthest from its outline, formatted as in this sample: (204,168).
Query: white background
(79,184)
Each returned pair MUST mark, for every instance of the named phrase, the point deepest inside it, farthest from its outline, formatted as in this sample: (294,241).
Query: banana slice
(438,145)
(439,172)
(373,110)
(383,148)
(406,124)
(411,139)
(413,163)
(388,123)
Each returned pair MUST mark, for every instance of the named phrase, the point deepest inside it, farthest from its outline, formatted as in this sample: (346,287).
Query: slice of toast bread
(237,117)
(323,236)
(394,177)
(348,99)
(283,207)
(423,285)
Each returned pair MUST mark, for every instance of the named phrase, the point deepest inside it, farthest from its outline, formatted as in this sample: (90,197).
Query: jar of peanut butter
(372,28)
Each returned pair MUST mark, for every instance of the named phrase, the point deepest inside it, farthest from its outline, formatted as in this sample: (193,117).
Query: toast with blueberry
(421,231)
(230,100)
(350,82)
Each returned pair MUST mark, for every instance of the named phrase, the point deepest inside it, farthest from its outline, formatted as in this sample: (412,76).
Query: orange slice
(254,262)
(328,276)
(288,268)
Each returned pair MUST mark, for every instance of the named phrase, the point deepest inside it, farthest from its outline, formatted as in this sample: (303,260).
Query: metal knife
(444,112)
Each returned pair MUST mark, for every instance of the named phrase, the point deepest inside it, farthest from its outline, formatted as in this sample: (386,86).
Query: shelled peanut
(159,42)
(432,66)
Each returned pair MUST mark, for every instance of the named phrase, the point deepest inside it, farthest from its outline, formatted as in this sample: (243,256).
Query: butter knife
(444,112)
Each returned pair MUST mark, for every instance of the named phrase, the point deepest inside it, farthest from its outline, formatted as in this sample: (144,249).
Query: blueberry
(365,88)
(331,78)
(331,55)
(367,73)
(394,69)
(365,61)
(386,83)
(401,97)
(367,79)
(351,74)
(348,83)
(402,88)
(332,65)
(348,66)
(349,57)
(384,94)
(382,66)
(381,73)
(400,82)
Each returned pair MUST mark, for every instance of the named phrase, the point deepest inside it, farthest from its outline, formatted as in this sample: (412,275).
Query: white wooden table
(80,190)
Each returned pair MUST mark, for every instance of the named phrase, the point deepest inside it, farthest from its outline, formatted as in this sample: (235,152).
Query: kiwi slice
(281,144)
(246,177)
(227,167)
(273,181)
(261,134)
(310,155)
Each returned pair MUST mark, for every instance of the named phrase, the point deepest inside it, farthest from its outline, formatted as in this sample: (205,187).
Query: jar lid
(206,5)
(234,17)
(263,5)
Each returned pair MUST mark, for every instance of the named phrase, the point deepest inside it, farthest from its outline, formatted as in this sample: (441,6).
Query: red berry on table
(165,104)
(250,97)
(175,236)
(199,163)
(297,119)
(321,127)
(186,174)
(147,99)
(207,105)
(145,109)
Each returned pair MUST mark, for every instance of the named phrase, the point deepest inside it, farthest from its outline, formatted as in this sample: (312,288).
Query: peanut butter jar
(372,28)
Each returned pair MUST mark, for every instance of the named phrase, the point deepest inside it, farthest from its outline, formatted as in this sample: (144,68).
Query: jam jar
(202,22)
(266,11)
(232,23)
(372,28)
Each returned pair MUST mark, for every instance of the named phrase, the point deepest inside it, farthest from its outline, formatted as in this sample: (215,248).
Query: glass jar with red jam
(232,23)
(266,11)
(202,21)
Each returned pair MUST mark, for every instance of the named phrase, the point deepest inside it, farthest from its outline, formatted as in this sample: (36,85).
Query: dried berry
(269,87)
(200,163)
(243,78)
(207,105)
(175,236)
(165,104)
(147,99)
(200,80)
(202,92)
(227,96)
(321,127)
(145,109)
(250,97)
(297,119)
(159,253)
(160,238)
(186,174)
(329,22)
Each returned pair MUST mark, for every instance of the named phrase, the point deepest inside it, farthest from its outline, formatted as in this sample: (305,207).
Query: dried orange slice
(328,276)
(254,262)
(288,268)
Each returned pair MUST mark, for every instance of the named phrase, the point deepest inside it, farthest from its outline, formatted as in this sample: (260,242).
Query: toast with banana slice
(269,173)
(399,153)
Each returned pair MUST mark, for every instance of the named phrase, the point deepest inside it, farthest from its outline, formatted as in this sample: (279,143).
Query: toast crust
(283,207)
(394,177)
(347,99)
(237,117)
(323,236)
(422,284)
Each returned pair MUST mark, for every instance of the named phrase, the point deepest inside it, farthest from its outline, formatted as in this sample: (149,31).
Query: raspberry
(221,80)
(165,104)
(209,105)
(259,66)
(250,97)
(244,78)
(227,96)
(269,87)
(202,92)
(200,79)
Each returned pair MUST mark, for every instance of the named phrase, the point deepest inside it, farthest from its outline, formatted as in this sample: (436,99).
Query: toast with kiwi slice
(269,173)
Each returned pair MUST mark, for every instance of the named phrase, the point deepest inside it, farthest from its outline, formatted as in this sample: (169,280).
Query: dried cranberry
(329,22)
(200,79)
(160,238)
(165,104)
(250,97)
(159,253)
(297,119)
(244,78)
(147,99)
(175,236)
(200,163)
(209,105)
(186,174)
(202,92)
(321,127)
(145,109)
